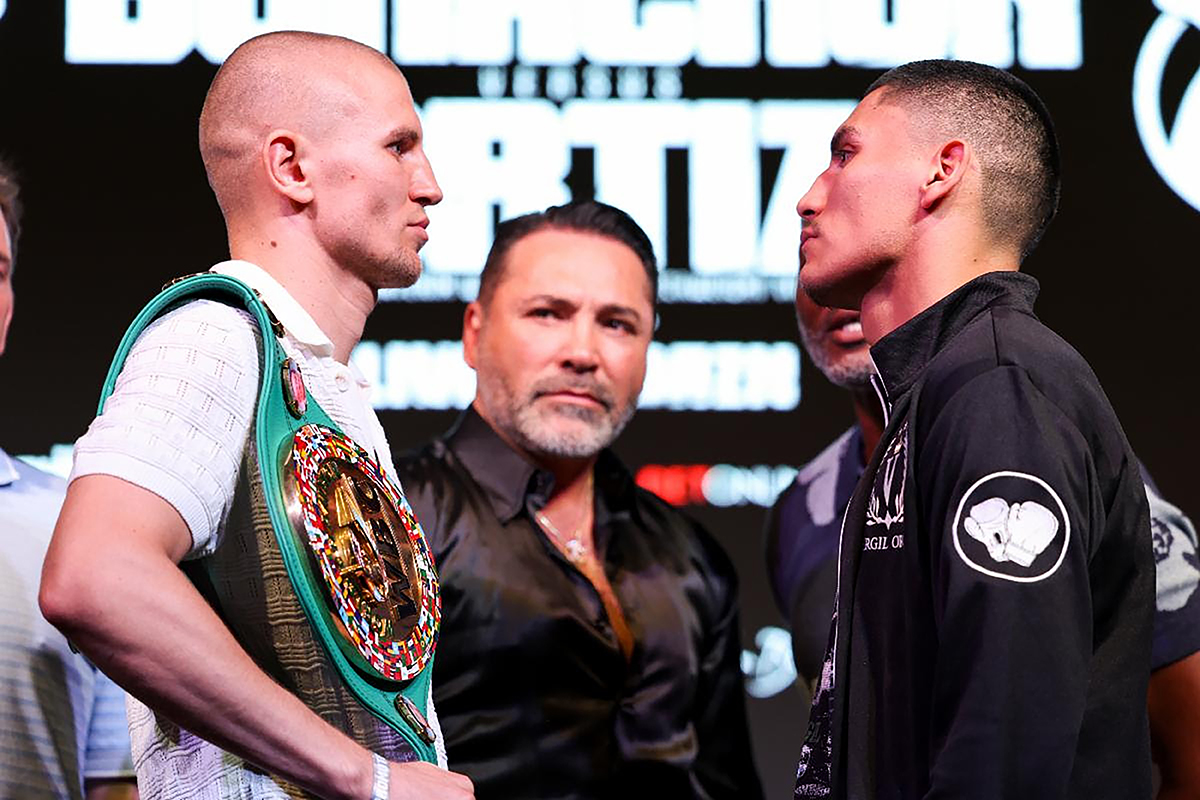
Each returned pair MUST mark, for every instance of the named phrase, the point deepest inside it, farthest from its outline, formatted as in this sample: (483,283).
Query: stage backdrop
(707,120)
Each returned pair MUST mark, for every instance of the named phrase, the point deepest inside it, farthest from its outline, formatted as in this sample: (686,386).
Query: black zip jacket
(991,637)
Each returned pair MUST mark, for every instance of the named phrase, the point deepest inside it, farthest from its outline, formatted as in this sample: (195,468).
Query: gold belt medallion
(368,549)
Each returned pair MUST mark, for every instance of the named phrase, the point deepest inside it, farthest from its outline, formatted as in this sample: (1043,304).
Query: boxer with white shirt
(313,148)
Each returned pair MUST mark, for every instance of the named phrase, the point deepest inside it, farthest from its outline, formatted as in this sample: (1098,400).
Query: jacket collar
(510,480)
(900,356)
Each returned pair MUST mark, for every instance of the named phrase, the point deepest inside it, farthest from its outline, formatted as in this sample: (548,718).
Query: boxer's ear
(472,320)
(284,157)
(947,169)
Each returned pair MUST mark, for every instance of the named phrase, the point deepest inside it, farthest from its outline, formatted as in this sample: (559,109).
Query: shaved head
(293,80)
(314,150)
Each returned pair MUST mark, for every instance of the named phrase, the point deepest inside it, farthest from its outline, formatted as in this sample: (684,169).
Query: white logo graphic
(594,92)
(1177,569)
(1037,34)
(773,668)
(1175,153)
(886,506)
(1019,532)
(1014,531)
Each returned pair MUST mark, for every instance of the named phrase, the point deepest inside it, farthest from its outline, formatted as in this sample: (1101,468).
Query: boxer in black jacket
(991,635)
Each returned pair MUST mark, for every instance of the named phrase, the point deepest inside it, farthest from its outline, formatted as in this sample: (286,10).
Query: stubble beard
(831,291)
(401,272)
(851,371)
(398,269)
(528,421)
(842,282)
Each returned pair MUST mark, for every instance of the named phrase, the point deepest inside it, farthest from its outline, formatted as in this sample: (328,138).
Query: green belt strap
(275,427)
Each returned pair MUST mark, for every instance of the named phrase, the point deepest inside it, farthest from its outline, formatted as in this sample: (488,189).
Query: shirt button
(343,383)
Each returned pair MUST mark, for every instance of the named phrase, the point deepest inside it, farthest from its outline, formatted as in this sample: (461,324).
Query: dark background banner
(707,120)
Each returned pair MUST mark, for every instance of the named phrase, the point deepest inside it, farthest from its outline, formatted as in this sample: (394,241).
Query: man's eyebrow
(841,135)
(547,298)
(404,136)
(609,309)
(620,310)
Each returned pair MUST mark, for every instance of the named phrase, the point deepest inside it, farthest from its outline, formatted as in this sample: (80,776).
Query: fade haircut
(584,216)
(1008,126)
(10,205)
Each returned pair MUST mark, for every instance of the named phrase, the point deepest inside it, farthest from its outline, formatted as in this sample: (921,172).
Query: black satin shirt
(534,696)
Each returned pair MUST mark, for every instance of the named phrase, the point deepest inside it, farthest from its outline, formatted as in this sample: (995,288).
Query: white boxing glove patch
(1019,532)
(1012,525)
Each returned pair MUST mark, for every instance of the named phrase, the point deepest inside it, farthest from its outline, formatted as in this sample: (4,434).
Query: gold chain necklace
(574,546)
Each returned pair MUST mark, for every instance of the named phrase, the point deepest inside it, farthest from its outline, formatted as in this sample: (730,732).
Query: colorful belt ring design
(369,548)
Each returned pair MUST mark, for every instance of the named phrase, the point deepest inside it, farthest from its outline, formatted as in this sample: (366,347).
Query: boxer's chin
(830,288)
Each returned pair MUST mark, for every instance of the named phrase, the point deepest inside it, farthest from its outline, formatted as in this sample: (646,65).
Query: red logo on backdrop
(678,484)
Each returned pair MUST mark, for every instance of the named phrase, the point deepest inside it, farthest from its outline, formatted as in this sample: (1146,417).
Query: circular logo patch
(1161,65)
(369,549)
(1013,526)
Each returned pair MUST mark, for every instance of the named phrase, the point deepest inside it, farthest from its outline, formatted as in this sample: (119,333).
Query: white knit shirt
(176,425)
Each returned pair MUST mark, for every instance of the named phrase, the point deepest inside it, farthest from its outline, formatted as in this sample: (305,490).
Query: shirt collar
(900,356)
(8,470)
(299,323)
(509,479)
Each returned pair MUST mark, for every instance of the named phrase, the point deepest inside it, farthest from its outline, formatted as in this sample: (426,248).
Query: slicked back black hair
(1007,124)
(584,216)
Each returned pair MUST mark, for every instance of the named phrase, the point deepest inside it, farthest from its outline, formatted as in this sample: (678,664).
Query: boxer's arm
(112,584)
(1174,703)
(1010,515)
(1174,695)
(111,789)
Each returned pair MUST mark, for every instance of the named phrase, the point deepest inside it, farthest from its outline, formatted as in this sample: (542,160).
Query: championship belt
(355,555)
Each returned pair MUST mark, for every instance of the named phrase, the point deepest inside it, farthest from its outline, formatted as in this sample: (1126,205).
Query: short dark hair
(584,216)
(10,204)
(1007,124)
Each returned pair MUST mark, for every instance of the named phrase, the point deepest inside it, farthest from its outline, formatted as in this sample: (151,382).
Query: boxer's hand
(421,781)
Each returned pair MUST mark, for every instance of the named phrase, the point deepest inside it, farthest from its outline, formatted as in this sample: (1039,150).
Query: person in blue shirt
(62,722)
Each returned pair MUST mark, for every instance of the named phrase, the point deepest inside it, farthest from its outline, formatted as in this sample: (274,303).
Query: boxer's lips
(574,398)
(420,228)
(845,329)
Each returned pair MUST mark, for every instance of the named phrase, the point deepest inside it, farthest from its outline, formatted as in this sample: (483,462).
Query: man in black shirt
(991,634)
(589,642)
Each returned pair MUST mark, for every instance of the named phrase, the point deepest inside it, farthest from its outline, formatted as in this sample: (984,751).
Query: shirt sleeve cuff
(171,489)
